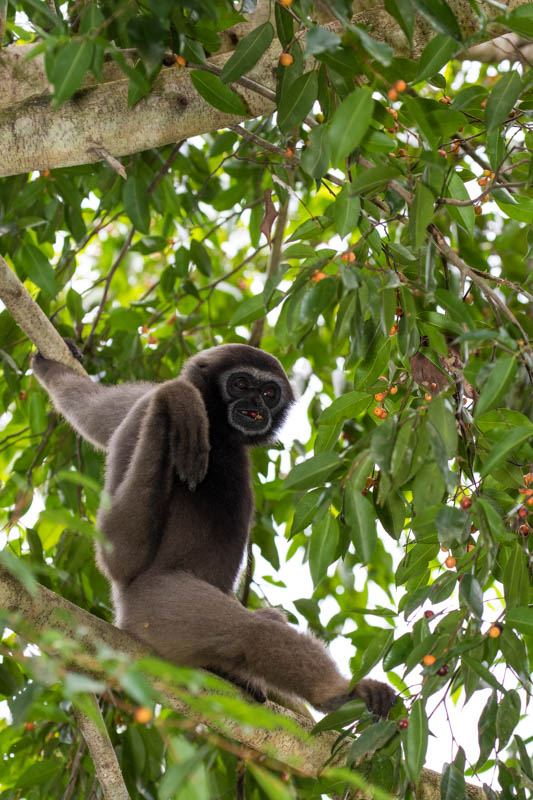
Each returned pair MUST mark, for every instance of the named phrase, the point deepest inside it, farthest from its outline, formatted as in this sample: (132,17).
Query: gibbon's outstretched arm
(93,410)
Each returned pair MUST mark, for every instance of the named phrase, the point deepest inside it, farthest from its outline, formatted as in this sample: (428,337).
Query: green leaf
(347,406)
(398,652)
(316,156)
(516,578)
(297,101)
(216,93)
(380,643)
(350,122)
(320,40)
(361,519)
(200,256)
(371,739)
(36,267)
(284,25)
(440,16)
(39,773)
(421,214)
(496,386)
(439,50)
(323,547)
(502,99)
(136,204)
(270,784)
(37,413)
(67,68)
(345,715)
(511,441)
(487,728)
(453,783)
(312,472)
(484,673)
(470,592)
(404,13)
(247,53)
(347,211)
(507,717)
(463,214)
(369,179)
(521,619)
(453,526)
(415,741)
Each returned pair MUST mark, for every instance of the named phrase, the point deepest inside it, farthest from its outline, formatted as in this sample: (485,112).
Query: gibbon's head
(248,385)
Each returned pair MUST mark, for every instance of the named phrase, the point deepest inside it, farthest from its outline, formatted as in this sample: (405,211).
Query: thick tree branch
(97,119)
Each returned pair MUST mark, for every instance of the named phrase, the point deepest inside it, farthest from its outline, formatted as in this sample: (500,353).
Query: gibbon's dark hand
(188,431)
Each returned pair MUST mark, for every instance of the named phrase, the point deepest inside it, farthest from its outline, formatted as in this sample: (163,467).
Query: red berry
(466,502)
(403,724)
(443,670)
(429,613)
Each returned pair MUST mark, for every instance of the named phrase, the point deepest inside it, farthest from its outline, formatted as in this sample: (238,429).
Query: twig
(69,791)
(109,278)
(104,757)
(275,258)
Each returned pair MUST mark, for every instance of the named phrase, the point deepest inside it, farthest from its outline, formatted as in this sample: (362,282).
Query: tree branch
(104,757)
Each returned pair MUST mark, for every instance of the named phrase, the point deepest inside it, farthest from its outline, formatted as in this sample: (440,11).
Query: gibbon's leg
(165,433)
(94,411)
(193,623)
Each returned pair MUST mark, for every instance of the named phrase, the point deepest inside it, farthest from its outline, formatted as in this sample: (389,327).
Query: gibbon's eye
(240,383)
(270,392)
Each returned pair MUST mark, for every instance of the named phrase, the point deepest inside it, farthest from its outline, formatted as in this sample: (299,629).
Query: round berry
(443,670)
(450,562)
(142,715)
(400,85)
(428,660)
(429,613)
(495,630)
(403,724)
(524,530)
(286,59)
(392,94)
(466,502)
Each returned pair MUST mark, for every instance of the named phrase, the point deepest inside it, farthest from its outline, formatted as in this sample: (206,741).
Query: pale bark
(104,758)
(33,136)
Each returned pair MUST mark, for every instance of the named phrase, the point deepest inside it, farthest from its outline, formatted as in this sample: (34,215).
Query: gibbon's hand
(188,431)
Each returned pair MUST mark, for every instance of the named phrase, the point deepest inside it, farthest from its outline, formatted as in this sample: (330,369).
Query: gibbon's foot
(73,347)
(255,692)
(379,697)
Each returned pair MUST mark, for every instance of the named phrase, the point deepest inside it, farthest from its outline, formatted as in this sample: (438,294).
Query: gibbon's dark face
(253,399)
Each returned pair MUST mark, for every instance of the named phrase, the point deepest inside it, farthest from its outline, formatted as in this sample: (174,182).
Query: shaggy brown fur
(178,514)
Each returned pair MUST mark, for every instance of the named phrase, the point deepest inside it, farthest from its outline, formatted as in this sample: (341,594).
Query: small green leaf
(371,739)
(421,214)
(453,526)
(350,122)
(507,717)
(312,472)
(284,25)
(361,519)
(453,783)
(521,619)
(440,16)
(320,40)
(37,413)
(487,728)
(136,204)
(323,547)
(470,592)
(347,211)
(439,50)
(345,715)
(216,93)
(200,256)
(39,773)
(347,406)
(496,386)
(502,99)
(297,101)
(404,13)
(67,68)
(511,441)
(415,741)
(34,264)
(248,52)
(516,582)
(316,156)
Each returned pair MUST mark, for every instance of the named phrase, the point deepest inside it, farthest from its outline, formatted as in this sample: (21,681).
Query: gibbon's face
(255,399)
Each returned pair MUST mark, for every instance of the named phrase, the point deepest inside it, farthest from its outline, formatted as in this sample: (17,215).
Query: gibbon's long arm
(93,410)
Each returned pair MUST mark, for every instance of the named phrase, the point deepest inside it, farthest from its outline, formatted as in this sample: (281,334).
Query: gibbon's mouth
(252,414)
